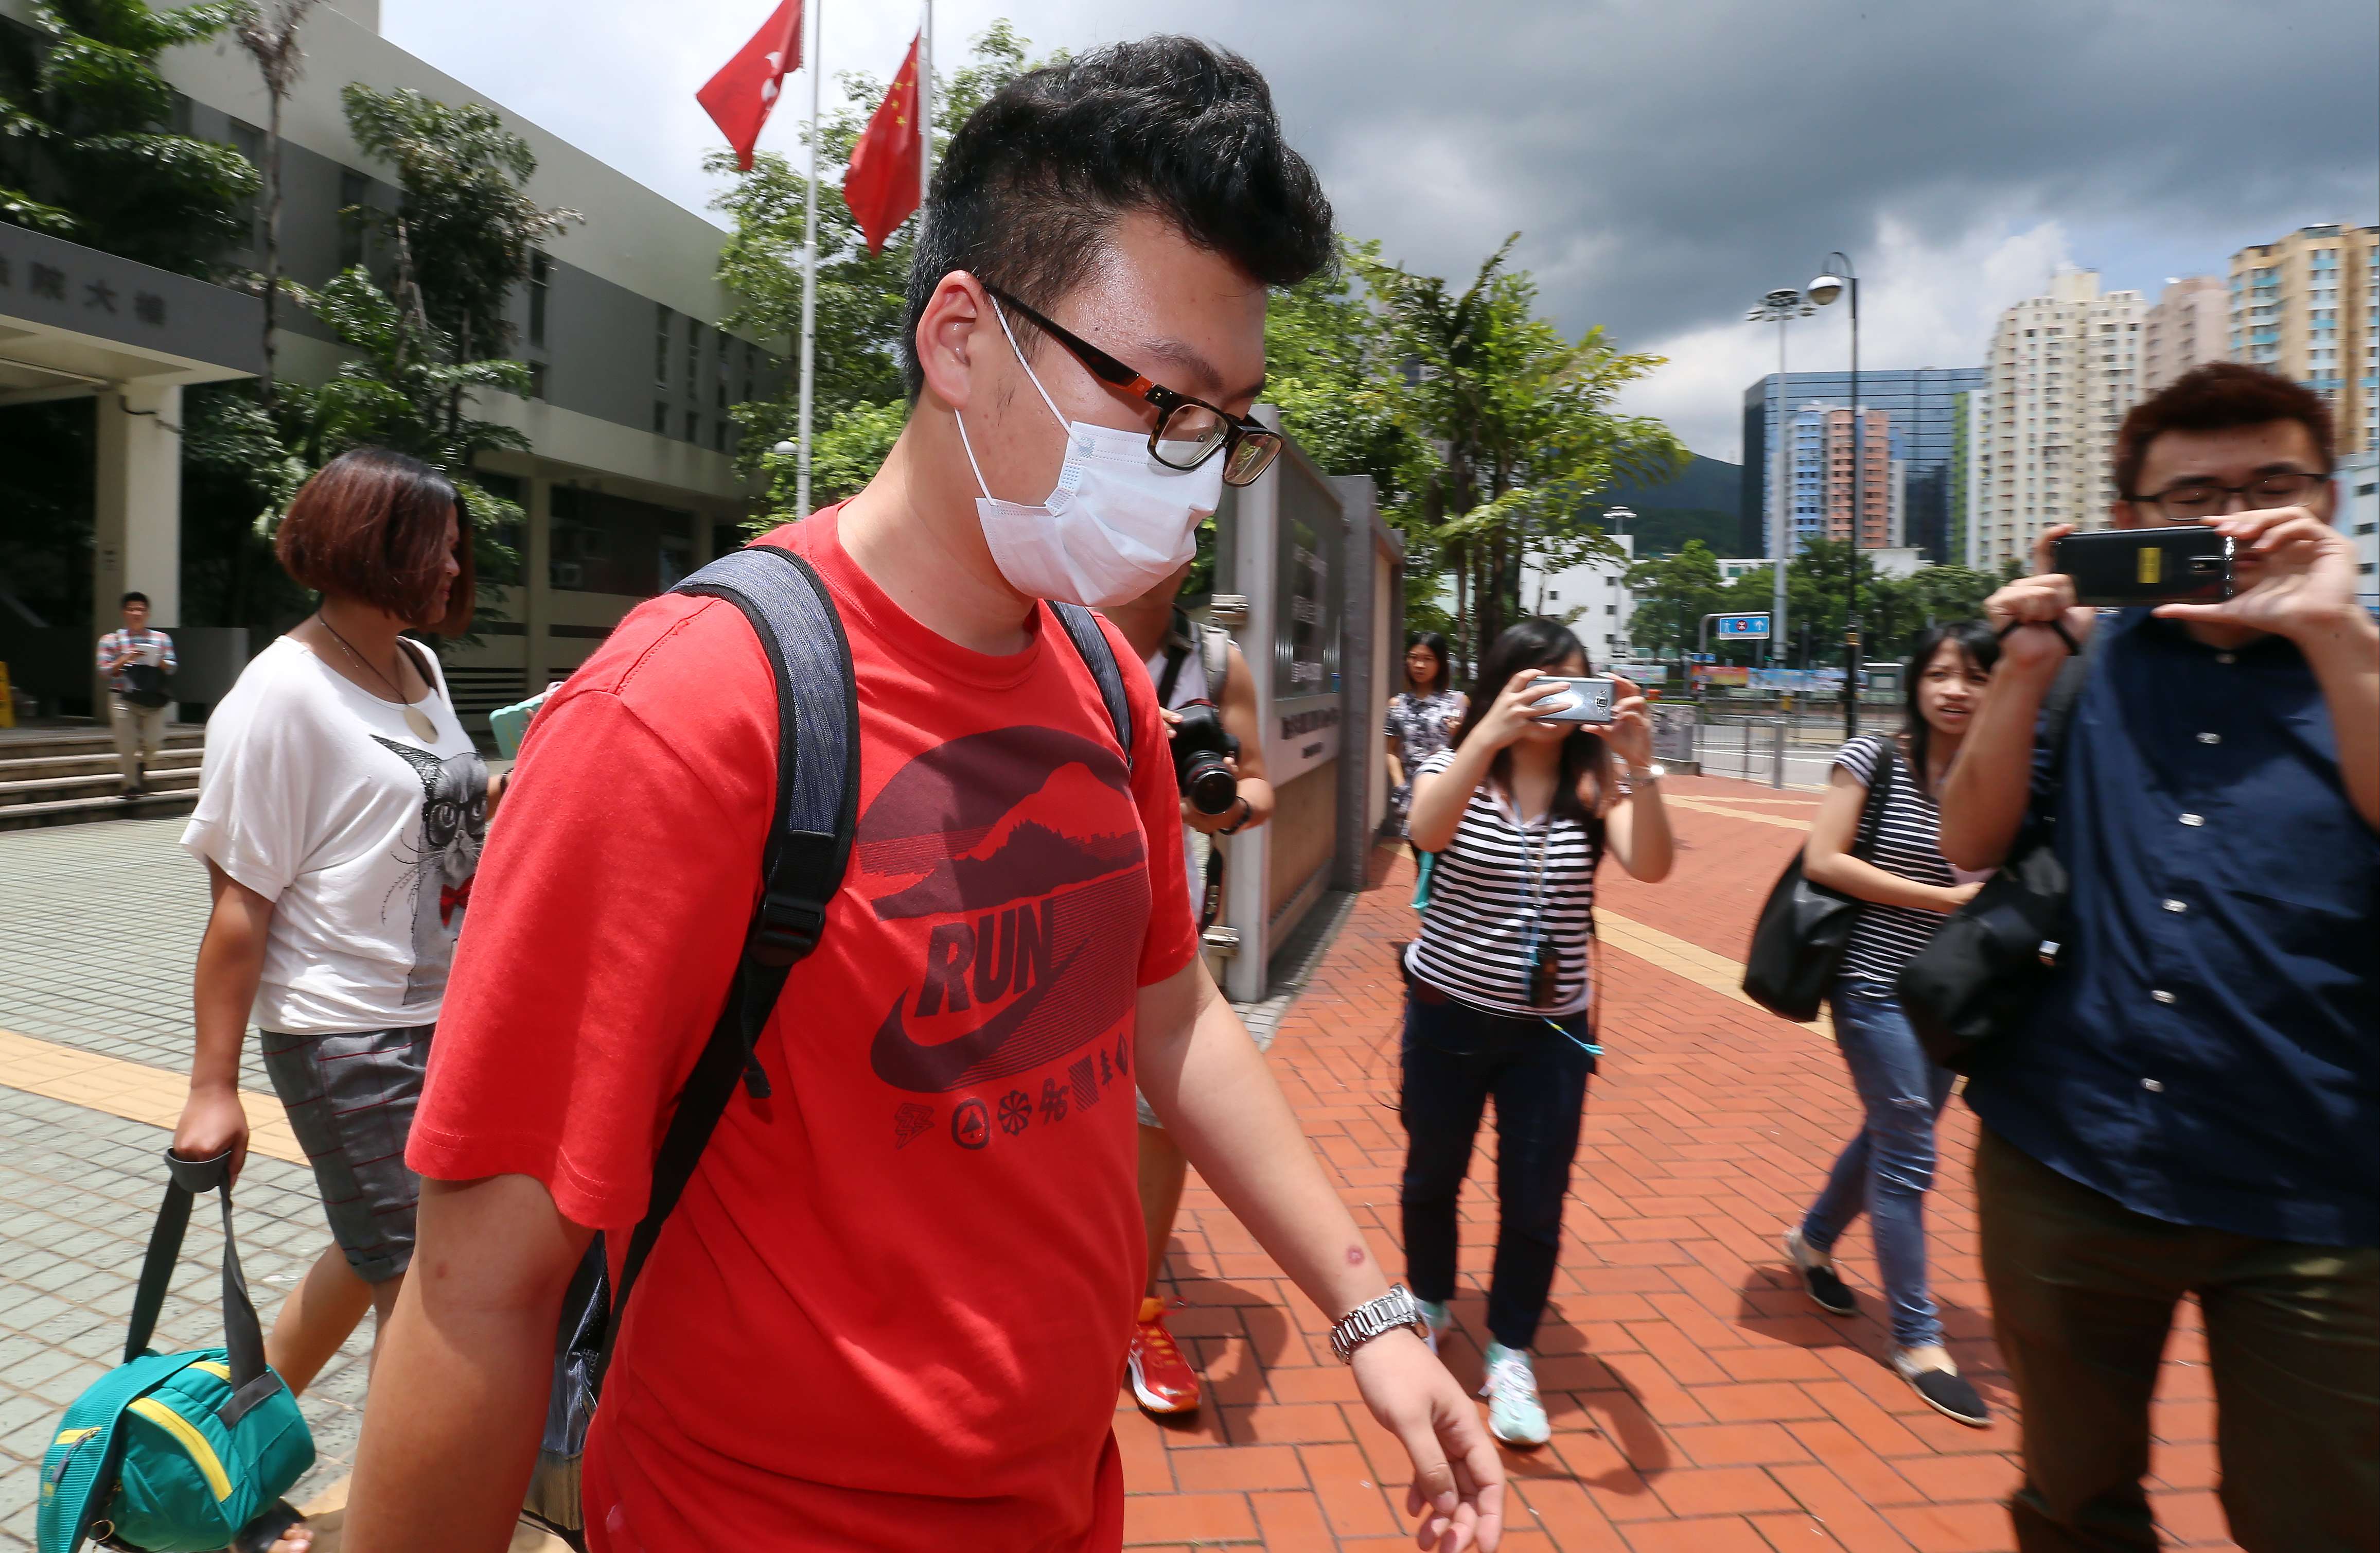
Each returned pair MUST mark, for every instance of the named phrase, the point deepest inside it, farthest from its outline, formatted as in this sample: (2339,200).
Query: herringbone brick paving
(1700,1404)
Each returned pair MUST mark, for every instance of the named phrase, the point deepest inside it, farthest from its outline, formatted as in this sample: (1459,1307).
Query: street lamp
(1780,307)
(1620,515)
(1838,279)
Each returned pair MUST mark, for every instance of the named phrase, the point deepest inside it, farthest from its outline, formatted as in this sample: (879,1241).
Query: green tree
(465,212)
(268,30)
(1673,593)
(1523,419)
(84,151)
(861,296)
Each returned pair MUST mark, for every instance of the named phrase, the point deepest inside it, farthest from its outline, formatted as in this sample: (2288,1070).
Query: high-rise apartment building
(2064,368)
(1918,401)
(1823,448)
(2190,325)
(2308,307)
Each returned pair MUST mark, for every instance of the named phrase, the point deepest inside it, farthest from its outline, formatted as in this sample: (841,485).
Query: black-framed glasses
(1189,431)
(2205,498)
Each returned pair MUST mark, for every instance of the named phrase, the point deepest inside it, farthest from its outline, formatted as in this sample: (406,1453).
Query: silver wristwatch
(1396,1308)
(1646,775)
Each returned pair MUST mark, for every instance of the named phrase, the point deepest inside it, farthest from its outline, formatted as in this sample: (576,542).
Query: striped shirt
(153,647)
(1487,904)
(1908,842)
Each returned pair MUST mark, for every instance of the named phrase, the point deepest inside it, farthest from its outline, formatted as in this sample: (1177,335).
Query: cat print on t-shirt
(453,826)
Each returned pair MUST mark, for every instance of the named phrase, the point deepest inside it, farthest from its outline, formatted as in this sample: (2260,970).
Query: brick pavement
(1699,1404)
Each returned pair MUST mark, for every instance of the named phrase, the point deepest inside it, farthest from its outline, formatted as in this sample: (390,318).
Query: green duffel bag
(177,1452)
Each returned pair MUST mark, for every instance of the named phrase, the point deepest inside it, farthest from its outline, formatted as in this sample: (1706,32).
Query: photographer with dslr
(2192,1105)
(1210,700)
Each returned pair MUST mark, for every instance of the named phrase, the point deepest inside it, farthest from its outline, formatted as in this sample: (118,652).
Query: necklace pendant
(423,728)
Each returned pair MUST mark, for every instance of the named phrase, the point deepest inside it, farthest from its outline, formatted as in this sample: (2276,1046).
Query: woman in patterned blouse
(1420,718)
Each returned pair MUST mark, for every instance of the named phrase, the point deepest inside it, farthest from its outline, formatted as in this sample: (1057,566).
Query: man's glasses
(2205,498)
(1189,432)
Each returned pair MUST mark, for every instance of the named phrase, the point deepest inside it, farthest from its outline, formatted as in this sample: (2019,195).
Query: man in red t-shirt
(887,1311)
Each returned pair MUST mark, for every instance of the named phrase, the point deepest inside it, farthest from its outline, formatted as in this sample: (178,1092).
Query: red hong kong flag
(880,186)
(739,97)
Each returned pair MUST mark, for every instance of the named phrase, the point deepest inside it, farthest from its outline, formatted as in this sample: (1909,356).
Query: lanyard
(1544,865)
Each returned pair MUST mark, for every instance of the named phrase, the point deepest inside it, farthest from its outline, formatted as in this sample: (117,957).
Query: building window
(541,281)
(693,426)
(660,417)
(693,360)
(536,380)
(604,543)
(355,204)
(661,354)
(718,436)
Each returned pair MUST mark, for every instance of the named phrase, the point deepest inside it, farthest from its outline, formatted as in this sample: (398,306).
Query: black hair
(1538,642)
(1435,642)
(128,600)
(1977,642)
(1030,187)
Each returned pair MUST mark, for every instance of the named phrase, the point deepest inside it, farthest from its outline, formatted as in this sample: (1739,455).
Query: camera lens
(1210,787)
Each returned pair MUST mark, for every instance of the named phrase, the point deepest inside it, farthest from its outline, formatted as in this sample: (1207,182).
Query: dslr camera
(1200,750)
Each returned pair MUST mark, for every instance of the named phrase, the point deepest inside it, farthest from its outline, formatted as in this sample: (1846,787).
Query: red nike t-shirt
(891,1307)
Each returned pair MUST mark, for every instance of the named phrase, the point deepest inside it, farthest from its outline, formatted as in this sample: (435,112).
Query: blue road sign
(1743,628)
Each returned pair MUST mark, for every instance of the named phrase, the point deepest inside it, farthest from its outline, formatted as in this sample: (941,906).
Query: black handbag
(1798,943)
(146,685)
(1980,974)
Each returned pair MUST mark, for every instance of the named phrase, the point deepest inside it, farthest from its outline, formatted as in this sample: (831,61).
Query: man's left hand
(1198,819)
(2297,575)
(1458,1482)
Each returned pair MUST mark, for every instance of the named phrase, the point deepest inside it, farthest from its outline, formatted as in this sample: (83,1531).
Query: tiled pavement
(1699,1406)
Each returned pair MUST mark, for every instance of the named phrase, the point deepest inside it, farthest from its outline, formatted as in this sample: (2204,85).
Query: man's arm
(459,1388)
(1207,1082)
(1990,785)
(1238,708)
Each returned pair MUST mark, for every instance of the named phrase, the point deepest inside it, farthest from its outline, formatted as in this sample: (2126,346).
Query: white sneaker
(1438,1318)
(1514,1414)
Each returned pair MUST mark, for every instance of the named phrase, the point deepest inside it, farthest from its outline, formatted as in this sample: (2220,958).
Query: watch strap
(1373,1318)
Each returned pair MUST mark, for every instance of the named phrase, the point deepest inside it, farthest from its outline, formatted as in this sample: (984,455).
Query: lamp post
(1780,307)
(1838,279)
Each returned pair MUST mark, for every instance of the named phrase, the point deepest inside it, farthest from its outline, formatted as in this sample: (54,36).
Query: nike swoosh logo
(971,1058)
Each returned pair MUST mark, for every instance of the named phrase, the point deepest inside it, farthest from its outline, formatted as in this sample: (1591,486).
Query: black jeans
(1455,1056)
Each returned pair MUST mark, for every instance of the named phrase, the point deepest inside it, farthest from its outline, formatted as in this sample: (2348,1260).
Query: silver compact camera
(1586,699)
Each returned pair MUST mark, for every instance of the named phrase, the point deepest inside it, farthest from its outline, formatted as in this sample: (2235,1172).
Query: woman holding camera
(1907,887)
(1421,718)
(1520,812)
(340,810)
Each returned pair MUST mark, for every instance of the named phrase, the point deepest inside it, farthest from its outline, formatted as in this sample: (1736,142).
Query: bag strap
(1878,794)
(1214,656)
(815,809)
(251,1380)
(1176,655)
(1099,655)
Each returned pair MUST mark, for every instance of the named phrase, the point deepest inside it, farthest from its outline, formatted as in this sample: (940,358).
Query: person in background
(2193,1106)
(136,661)
(1188,663)
(1498,984)
(1906,888)
(1421,718)
(341,808)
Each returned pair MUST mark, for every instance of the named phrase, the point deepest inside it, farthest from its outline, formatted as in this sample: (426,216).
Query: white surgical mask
(1117,524)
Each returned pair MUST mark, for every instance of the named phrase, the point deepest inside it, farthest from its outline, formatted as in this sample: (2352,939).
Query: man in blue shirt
(2194,1105)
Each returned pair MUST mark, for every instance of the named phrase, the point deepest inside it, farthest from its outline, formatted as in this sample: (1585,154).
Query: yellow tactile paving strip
(1707,807)
(131,1090)
(1696,964)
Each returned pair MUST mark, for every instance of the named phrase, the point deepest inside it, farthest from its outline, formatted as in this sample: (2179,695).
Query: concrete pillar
(136,510)
(536,578)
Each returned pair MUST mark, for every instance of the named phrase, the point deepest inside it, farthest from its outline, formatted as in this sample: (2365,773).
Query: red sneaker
(1163,1381)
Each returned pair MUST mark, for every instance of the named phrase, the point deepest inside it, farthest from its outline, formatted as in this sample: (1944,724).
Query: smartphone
(1587,700)
(2116,567)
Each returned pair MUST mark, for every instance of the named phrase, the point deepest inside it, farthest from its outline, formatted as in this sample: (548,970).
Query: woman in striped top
(1520,811)
(1907,887)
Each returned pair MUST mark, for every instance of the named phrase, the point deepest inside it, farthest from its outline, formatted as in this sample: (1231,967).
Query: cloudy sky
(1665,161)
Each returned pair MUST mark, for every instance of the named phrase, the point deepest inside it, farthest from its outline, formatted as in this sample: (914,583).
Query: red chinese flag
(739,97)
(880,186)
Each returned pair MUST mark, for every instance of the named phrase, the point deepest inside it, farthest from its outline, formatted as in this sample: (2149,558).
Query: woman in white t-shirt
(1520,812)
(341,810)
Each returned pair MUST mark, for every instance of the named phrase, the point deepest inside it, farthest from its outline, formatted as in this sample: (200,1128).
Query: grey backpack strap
(809,848)
(1215,655)
(1099,655)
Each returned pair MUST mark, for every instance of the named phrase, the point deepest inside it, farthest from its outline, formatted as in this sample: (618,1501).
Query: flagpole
(924,115)
(809,270)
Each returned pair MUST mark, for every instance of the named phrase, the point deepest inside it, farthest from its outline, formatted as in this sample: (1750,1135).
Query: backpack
(793,613)
(175,1453)
(1213,644)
